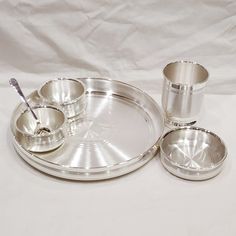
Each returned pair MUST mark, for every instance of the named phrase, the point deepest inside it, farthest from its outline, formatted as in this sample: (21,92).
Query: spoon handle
(13,82)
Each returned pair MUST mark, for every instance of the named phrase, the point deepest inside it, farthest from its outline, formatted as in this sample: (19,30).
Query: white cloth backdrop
(130,41)
(125,40)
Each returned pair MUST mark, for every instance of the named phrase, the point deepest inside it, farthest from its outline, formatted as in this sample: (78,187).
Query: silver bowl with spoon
(40,128)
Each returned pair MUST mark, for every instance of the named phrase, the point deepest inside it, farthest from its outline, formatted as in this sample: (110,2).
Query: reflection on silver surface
(117,133)
(182,93)
(192,153)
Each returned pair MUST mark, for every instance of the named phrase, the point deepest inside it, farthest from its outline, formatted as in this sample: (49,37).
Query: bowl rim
(62,103)
(166,157)
(61,127)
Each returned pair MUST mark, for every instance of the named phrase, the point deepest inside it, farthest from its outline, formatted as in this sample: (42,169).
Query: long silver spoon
(39,129)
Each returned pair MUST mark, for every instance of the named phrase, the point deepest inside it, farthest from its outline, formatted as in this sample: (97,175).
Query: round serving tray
(118,132)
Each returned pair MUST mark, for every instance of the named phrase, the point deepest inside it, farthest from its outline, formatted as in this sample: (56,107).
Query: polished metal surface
(69,94)
(182,93)
(192,153)
(117,133)
(51,118)
(39,128)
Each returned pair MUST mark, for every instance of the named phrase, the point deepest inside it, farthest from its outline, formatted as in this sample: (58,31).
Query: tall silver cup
(182,93)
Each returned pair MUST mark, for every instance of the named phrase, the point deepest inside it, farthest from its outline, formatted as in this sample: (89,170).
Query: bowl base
(175,124)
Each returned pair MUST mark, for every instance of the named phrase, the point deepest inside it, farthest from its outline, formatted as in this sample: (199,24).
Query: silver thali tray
(118,133)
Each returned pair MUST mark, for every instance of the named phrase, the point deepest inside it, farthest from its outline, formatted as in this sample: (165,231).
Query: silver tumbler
(182,93)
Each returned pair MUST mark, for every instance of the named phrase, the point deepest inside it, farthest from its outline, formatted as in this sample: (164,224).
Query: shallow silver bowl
(69,94)
(51,118)
(192,153)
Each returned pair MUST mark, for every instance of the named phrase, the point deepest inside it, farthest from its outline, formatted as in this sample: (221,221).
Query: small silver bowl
(192,153)
(51,118)
(69,94)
